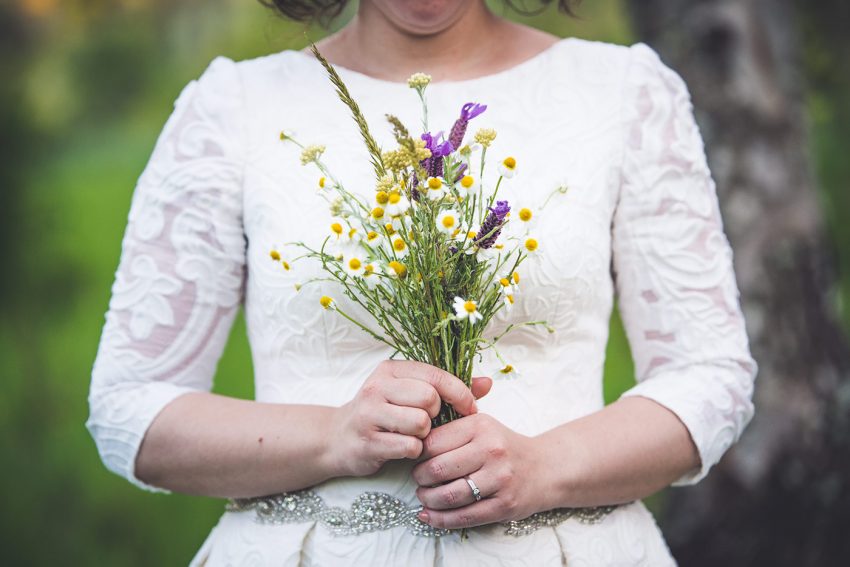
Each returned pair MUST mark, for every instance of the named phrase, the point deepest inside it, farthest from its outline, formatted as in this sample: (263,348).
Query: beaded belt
(372,511)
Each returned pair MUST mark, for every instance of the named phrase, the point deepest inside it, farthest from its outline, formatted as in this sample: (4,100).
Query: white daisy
(435,187)
(399,246)
(371,278)
(354,264)
(507,371)
(395,269)
(506,286)
(508,167)
(508,301)
(530,244)
(467,309)
(467,186)
(339,228)
(396,203)
(448,222)
(373,239)
(524,217)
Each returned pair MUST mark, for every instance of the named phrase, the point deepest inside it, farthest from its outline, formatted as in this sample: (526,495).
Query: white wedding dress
(640,218)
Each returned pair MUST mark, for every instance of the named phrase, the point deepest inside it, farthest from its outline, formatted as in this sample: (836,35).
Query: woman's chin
(423,17)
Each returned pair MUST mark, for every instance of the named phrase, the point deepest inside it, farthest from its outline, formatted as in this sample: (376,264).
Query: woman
(346,433)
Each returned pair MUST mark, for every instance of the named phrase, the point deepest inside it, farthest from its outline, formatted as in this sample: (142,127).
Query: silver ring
(476,493)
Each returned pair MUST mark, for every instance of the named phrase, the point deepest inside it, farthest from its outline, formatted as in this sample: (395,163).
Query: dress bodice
(640,219)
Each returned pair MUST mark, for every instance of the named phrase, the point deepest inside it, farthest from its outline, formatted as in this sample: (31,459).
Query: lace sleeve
(179,281)
(678,296)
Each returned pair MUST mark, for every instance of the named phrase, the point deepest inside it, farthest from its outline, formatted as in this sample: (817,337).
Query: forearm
(213,445)
(626,451)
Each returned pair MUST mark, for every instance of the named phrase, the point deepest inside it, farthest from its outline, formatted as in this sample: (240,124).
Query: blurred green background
(87,86)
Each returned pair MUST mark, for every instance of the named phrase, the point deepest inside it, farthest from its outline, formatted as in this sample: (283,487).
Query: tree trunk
(781,496)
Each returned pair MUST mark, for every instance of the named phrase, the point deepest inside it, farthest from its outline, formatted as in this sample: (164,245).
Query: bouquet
(431,257)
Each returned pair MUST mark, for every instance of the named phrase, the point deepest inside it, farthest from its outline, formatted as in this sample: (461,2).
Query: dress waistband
(373,511)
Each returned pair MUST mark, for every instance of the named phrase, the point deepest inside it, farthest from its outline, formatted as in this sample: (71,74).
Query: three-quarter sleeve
(672,262)
(180,277)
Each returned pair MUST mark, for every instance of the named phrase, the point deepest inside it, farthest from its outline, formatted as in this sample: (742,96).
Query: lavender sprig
(492,225)
(469,111)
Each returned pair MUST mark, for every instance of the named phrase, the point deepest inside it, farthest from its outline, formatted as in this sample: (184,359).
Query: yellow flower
(382,197)
(485,137)
(531,245)
(326,302)
(377,213)
(311,153)
(515,277)
(322,182)
(418,81)
(275,255)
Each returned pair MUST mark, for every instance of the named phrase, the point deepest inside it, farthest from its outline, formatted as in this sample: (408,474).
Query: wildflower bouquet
(429,256)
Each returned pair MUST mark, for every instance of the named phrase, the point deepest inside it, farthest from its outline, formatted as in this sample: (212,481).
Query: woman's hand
(506,467)
(391,414)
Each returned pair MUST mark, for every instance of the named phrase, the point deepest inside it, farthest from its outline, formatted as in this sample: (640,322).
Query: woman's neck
(475,43)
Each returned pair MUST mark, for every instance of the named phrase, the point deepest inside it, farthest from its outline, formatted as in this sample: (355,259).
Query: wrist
(331,458)
(561,464)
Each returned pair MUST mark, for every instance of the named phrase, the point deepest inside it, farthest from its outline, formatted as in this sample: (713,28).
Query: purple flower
(469,111)
(434,164)
(460,171)
(492,225)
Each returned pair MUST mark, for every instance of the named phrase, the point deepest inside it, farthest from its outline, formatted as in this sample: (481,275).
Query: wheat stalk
(345,97)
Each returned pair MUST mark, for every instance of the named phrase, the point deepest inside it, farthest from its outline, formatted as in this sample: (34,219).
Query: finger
(448,466)
(404,420)
(448,437)
(415,394)
(456,493)
(481,387)
(487,511)
(451,388)
(392,446)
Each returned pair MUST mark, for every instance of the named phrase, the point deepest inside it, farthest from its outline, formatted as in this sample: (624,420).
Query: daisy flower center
(381,198)
(325,301)
(434,183)
(469,306)
(394,198)
(467,181)
(448,221)
(525,214)
(355,263)
(510,163)
(336,228)
(399,268)
(531,244)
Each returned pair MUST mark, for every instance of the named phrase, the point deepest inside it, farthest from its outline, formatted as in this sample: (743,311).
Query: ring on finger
(476,492)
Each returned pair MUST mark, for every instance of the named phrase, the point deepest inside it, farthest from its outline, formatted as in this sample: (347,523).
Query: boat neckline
(522,65)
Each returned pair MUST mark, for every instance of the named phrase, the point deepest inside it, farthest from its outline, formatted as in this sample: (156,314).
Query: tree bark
(781,496)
